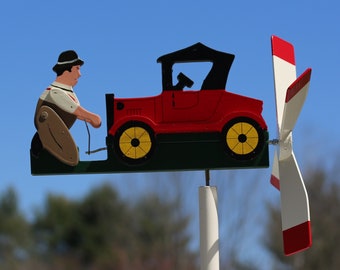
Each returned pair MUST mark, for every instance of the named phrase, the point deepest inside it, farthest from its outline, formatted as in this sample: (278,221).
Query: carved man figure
(58,108)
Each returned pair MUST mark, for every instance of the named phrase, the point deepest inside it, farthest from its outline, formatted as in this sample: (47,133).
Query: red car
(136,124)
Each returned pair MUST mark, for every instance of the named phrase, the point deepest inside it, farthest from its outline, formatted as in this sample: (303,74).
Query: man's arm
(92,118)
(68,104)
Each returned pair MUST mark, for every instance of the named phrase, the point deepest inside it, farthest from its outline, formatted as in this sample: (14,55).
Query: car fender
(258,118)
(136,118)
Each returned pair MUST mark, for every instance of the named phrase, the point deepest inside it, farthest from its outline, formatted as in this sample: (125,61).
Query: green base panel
(172,152)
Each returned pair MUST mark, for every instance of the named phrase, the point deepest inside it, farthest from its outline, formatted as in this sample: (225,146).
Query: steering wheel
(183,81)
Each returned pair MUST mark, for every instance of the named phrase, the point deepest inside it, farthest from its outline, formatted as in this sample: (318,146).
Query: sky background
(120,42)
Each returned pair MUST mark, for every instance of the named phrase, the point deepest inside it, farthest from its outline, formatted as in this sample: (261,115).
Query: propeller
(290,93)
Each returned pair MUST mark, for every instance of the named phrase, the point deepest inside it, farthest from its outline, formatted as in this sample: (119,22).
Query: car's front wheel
(243,138)
(134,142)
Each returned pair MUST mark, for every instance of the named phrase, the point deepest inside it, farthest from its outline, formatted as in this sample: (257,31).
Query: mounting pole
(207,177)
(209,239)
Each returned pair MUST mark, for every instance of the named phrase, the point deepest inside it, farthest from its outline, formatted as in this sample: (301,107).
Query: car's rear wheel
(134,142)
(243,138)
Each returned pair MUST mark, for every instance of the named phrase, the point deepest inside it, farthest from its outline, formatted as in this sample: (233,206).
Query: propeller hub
(286,147)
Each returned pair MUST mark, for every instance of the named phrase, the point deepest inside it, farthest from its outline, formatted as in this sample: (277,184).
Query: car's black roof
(196,52)
(216,78)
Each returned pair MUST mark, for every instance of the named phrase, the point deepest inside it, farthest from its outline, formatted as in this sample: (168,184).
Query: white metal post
(209,239)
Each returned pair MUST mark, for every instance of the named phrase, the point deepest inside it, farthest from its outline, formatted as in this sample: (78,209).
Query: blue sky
(120,42)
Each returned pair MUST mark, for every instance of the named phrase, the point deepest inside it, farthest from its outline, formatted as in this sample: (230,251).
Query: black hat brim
(79,62)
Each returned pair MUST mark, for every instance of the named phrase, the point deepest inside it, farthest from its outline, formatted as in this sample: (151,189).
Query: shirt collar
(62,86)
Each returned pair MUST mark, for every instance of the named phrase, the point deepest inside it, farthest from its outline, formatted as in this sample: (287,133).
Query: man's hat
(68,58)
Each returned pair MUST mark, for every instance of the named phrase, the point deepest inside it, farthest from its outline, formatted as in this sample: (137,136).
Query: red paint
(297,238)
(275,181)
(178,111)
(298,84)
(73,98)
(283,49)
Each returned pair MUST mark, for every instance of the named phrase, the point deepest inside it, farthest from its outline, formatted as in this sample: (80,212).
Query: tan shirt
(62,100)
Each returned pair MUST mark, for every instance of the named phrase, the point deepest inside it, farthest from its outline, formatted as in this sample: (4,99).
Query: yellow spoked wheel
(243,138)
(134,142)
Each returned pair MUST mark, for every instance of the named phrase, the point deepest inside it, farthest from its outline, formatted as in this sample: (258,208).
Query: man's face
(74,75)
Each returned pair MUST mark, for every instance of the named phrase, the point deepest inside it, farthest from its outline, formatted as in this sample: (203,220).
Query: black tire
(134,142)
(243,138)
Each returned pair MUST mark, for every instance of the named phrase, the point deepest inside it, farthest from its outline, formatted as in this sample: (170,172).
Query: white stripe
(284,76)
(68,62)
(294,199)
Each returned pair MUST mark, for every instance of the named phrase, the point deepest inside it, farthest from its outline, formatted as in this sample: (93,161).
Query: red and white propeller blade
(290,96)
(284,72)
(284,75)
(296,226)
(295,98)
(275,177)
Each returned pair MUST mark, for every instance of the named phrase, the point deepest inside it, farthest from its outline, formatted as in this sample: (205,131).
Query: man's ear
(66,72)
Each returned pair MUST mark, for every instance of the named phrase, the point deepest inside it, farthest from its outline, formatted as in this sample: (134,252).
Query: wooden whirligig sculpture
(180,129)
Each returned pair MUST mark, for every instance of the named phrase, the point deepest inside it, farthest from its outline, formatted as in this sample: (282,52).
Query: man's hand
(95,121)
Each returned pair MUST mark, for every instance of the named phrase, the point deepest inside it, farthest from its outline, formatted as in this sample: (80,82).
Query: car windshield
(197,72)
(197,53)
